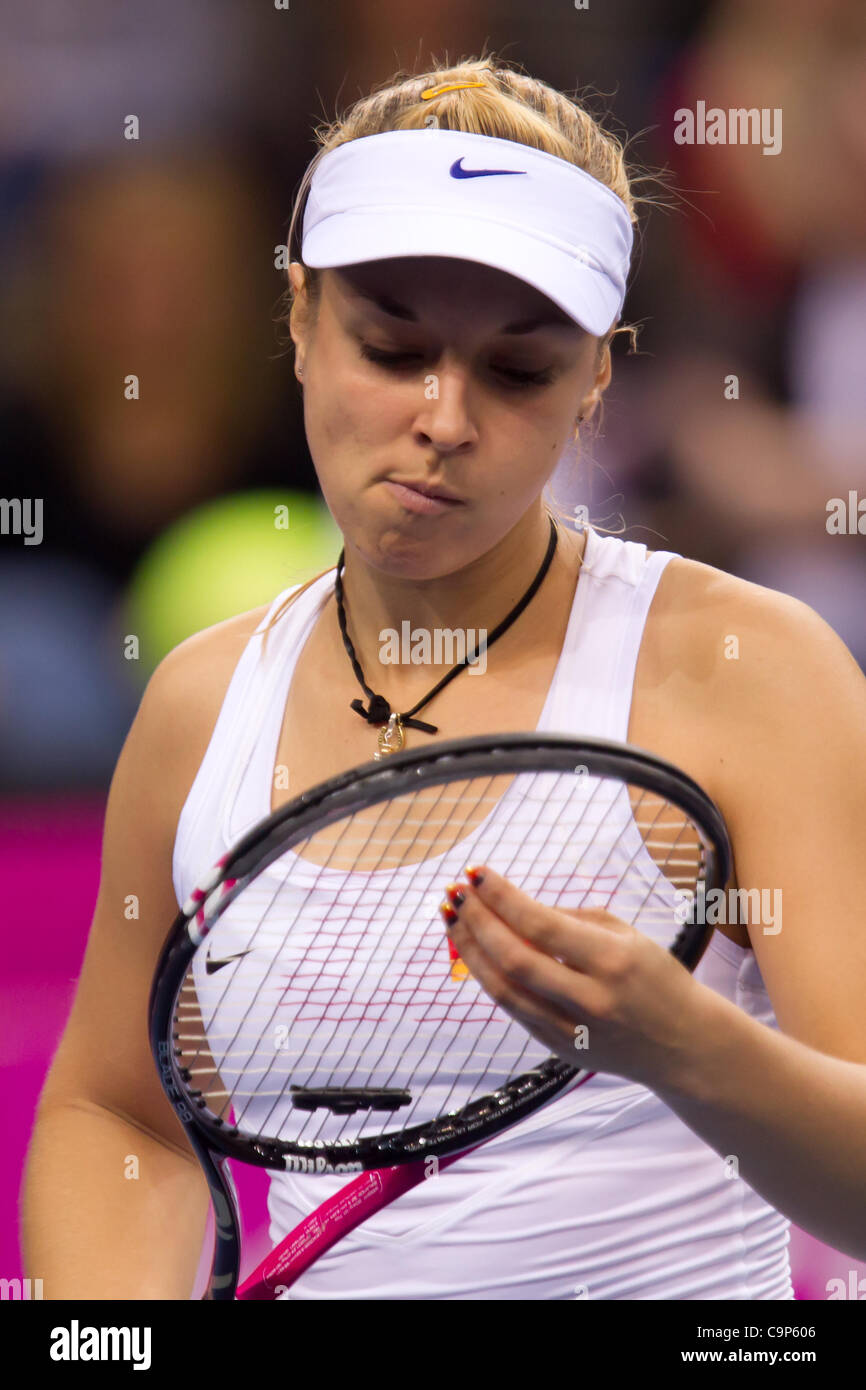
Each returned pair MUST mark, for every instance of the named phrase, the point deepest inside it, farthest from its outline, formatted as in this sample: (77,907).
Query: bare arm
(110,1211)
(791,783)
(114,1202)
(788,723)
(793,1118)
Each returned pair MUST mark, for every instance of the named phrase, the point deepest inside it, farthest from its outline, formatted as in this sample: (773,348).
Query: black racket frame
(215,1141)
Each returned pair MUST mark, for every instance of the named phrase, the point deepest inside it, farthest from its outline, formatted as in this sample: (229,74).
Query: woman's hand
(597,992)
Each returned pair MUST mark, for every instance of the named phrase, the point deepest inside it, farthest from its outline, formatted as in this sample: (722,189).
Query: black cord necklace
(391,738)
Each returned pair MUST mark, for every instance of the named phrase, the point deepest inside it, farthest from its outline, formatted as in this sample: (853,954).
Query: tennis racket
(307,1014)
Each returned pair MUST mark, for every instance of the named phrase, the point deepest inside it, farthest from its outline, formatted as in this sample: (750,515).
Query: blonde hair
(483,96)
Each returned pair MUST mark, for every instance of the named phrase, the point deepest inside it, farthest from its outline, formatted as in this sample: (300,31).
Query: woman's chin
(396,552)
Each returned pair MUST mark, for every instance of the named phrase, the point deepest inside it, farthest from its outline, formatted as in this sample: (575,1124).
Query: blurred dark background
(155,257)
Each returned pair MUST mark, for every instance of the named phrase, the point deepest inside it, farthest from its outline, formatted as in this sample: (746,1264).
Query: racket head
(407,1075)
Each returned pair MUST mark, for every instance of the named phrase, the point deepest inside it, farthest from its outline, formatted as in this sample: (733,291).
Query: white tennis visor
(435,192)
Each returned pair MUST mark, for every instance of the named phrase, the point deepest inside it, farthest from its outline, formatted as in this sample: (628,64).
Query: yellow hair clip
(452,87)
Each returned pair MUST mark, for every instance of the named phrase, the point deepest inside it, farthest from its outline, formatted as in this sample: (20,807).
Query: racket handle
(342,1213)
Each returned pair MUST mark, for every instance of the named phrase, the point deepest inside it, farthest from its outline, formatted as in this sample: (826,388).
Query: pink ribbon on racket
(342,1213)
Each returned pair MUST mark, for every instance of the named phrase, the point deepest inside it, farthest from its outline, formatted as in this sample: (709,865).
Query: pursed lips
(426,489)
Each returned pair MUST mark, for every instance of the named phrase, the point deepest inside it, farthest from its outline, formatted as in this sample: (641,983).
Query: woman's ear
(605,370)
(299,316)
(602,381)
(297,278)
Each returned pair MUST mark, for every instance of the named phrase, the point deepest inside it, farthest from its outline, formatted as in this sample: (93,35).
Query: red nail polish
(474,875)
(448,913)
(455,896)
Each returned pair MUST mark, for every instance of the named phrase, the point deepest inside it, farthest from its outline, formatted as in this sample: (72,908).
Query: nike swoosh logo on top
(211,966)
(458,172)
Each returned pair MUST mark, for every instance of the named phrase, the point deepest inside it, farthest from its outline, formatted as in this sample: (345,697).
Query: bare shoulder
(738,664)
(716,625)
(182,701)
(202,660)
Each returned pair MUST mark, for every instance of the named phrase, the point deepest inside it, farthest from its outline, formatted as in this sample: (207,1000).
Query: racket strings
(372,998)
(389,844)
(209,1069)
(446,818)
(433,822)
(446,798)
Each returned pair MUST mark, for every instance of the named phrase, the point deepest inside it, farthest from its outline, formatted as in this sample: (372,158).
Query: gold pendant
(391,738)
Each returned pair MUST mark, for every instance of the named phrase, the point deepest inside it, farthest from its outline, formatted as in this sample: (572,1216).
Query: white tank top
(605,1194)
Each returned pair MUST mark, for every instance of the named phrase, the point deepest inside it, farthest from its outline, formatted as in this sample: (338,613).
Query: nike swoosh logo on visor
(458,172)
(211,966)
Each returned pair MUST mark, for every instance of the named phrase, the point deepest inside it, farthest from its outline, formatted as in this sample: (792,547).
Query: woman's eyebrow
(552,318)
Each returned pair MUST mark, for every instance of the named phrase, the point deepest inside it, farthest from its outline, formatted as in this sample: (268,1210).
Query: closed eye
(388,359)
(396,360)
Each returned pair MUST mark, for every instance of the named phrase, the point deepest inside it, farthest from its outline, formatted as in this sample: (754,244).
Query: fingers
(545,1020)
(593,989)
(521,951)
(590,939)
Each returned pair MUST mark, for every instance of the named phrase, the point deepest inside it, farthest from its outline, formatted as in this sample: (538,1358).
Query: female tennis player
(461,245)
